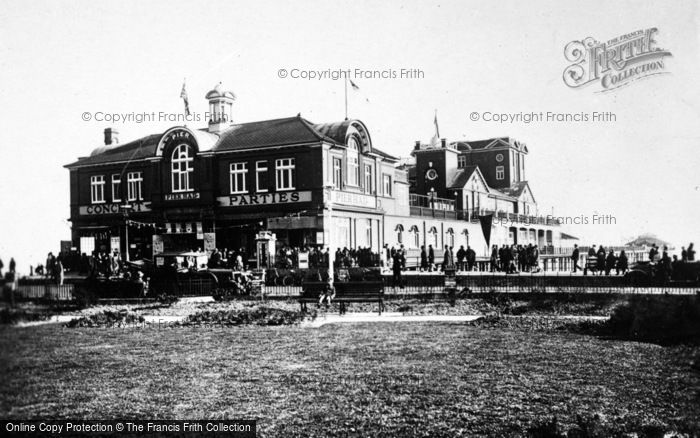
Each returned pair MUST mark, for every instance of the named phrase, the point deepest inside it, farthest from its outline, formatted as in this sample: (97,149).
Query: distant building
(310,184)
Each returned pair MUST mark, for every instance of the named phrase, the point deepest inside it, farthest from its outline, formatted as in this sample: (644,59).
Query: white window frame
(261,166)
(135,186)
(284,173)
(433,237)
(182,167)
(338,172)
(450,238)
(500,172)
(238,172)
(116,187)
(353,163)
(386,184)
(369,180)
(461,161)
(97,189)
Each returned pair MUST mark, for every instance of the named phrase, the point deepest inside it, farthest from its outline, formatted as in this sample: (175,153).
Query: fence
(419,284)
(43,291)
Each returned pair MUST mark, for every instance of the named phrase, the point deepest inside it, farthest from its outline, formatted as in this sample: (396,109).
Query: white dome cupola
(220,108)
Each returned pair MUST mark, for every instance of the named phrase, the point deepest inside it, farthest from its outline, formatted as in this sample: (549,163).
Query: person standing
(461,255)
(471,258)
(431,257)
(446,262)
(574,258)
(494,258)
(396,269)
(610,262)
(691,252)
(622,264)
(59,272)
(423,259)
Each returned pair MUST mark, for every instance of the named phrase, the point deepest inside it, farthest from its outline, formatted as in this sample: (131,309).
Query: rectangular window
(353,169)
(462,161)
(238,176)
(368,178)
(116,187)
(97,189)
(284,169)
(337,173)
(386,184)
(135,180)
(500,172)
(261,176)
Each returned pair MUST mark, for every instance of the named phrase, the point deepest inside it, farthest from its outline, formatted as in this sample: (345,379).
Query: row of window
(414,236)
(134,187)
(500,170)
(285,169)
(354,173)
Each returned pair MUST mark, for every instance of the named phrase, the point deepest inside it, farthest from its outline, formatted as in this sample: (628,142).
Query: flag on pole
(435,141)
(183,95)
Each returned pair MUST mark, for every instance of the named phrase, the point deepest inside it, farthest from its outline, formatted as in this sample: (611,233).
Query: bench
(368,291)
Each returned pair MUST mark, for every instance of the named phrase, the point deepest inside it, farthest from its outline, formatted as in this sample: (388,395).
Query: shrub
(659,319)
(11,316)
(258,315)
(108,318)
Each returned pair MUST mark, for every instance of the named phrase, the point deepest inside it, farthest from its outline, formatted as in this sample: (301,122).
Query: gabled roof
(464,145)
(516,189)
(135,150)
(292,130)
(461,177)
(266,133)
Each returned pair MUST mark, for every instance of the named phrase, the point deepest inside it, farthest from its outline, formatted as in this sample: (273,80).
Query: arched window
(465,233)
(353,162)
(399,233)
(414,240)
(450,237)
(433,237)
(182,169)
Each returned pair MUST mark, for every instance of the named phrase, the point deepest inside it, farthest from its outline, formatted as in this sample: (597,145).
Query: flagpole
(346,98)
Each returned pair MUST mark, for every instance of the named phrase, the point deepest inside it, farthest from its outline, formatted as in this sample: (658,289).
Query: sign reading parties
(264,199)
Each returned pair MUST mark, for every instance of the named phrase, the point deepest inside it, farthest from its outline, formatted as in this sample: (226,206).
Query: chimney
(111,136)
(444,143)
(417,146)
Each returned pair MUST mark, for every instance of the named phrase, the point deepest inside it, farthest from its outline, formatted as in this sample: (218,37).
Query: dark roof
(568,236)
(336,130)
(135,150)
(266,133)
(384,154)
(461,177)
(515,190)
(292,130)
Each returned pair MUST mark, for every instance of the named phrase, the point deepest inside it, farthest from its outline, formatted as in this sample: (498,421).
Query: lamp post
(125,209)
(331,250)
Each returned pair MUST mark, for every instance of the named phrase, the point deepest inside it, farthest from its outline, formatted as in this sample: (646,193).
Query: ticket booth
(265,243)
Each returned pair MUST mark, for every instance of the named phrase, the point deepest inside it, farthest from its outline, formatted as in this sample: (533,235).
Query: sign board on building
(158,246)
(209,242)
(303,260)
(354,199)
(86,210)
(186,196)
(264,199)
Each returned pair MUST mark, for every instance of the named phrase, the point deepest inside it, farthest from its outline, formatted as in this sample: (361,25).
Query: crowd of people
(228,258)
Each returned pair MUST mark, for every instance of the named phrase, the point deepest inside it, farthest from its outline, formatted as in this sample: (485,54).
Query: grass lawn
(388,379)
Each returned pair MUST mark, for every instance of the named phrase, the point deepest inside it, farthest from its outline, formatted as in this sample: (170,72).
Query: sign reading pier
(616,62)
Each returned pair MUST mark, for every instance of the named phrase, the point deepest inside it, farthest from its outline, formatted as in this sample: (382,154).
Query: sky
(59,60)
